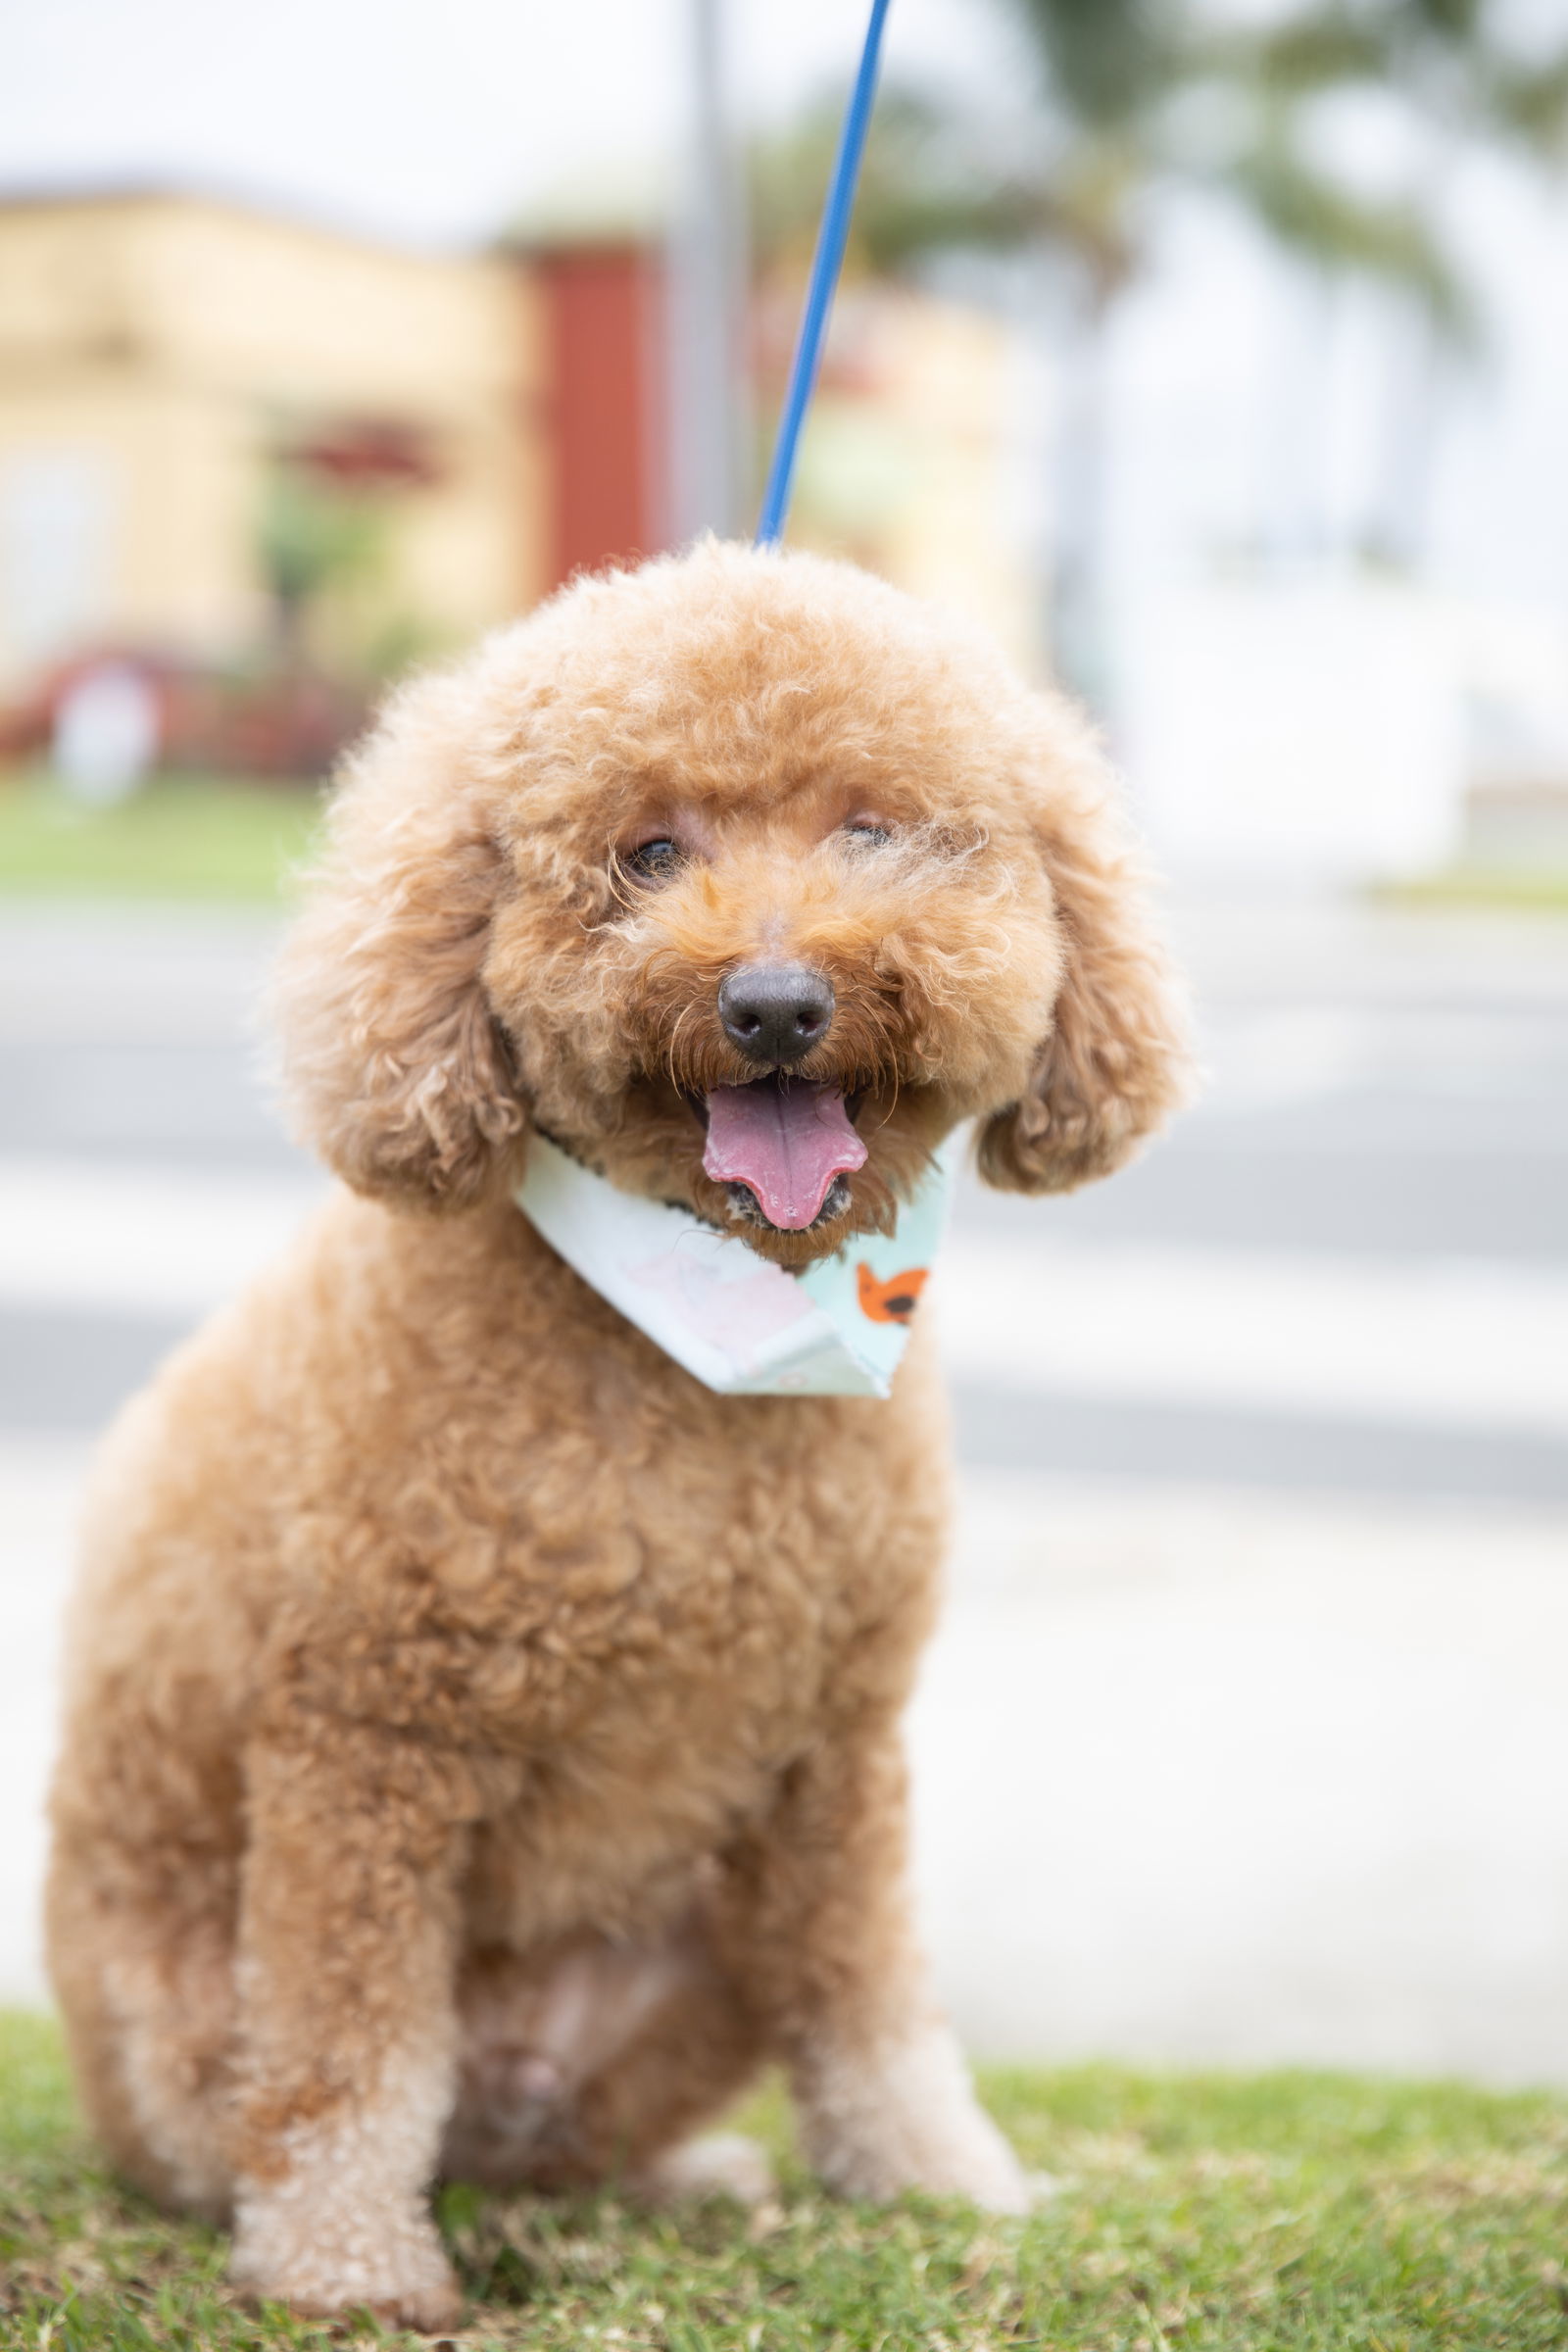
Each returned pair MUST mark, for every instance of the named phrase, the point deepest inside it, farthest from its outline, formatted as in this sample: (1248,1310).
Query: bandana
(741,1324)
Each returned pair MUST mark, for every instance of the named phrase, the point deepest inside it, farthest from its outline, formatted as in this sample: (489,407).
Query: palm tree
(1463,82)
(1146,97)
(1141,98)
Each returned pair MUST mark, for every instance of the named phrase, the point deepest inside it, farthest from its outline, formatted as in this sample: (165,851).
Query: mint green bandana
(741,1324)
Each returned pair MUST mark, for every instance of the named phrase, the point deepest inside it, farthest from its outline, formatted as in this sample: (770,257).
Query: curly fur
(483,1741)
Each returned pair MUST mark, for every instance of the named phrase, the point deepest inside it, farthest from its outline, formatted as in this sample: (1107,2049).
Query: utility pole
(706,299)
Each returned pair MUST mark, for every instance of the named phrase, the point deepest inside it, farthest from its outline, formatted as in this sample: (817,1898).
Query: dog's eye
(867,836)
(654,861)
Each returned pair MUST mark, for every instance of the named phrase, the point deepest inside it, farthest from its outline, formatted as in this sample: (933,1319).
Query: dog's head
(746,878)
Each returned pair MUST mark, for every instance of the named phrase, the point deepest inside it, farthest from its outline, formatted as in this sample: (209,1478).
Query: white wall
(1314,731)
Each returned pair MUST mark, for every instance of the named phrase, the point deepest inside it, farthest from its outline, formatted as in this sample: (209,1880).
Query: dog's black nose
(777,1012)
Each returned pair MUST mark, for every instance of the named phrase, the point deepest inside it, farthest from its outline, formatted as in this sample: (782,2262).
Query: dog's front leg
(884,2093)
(346,2058)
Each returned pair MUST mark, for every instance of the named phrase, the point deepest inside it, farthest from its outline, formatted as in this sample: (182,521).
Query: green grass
(181,837)
(1511,890)
(200,837)
(1318,2213)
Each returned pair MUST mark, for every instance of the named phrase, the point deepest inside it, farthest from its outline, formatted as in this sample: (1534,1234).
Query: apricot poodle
(482,1744)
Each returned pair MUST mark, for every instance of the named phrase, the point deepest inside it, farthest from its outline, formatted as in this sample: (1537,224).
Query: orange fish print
(891,1302)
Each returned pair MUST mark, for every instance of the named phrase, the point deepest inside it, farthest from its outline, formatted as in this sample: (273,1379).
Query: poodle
(482,1739)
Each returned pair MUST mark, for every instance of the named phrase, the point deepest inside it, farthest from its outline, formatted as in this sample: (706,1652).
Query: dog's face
(805,938)
(743,881)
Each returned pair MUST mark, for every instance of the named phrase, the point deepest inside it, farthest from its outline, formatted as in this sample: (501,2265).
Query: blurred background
(1217,356)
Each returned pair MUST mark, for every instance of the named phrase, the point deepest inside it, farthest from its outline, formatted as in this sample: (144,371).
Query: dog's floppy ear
(1115,1063)
(393,1066)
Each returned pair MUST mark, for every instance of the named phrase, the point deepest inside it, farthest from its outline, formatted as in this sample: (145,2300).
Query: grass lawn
(1290,2210)
(202,837)
(1509,890)
(185,837)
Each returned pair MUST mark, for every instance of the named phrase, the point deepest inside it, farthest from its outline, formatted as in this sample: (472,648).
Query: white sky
(435,122)
(425,119)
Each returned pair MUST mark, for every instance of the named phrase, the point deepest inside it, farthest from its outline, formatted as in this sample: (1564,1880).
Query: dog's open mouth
(787,1140)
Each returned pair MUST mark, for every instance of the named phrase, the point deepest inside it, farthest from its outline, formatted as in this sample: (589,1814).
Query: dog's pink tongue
(786,1140)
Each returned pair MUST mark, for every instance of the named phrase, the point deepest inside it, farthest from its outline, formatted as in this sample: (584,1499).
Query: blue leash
(827,263)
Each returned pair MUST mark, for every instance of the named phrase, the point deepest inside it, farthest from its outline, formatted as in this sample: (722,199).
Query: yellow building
(184,383)
(165,358)
(921,458)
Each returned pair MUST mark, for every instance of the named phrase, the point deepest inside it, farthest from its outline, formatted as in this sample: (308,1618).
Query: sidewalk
(1261,1780)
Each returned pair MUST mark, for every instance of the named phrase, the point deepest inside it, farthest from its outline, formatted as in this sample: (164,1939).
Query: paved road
(1243,1739)
(1385,1126)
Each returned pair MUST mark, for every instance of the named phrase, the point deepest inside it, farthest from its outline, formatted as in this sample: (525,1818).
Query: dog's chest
(661,1598)
(617,1541)
(653,1687)
(640,1599)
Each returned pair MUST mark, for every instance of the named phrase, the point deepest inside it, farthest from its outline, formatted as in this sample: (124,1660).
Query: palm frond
(1459,24)
(1318,49)
(1321,220)
(1105,61)
(921,188)
(1529,102)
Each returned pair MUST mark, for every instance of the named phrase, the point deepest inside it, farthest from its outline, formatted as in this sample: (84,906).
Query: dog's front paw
(907,2117)
(721,2163)
(338,2260)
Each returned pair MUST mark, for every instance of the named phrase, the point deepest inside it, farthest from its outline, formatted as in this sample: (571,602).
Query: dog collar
(741,1324)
